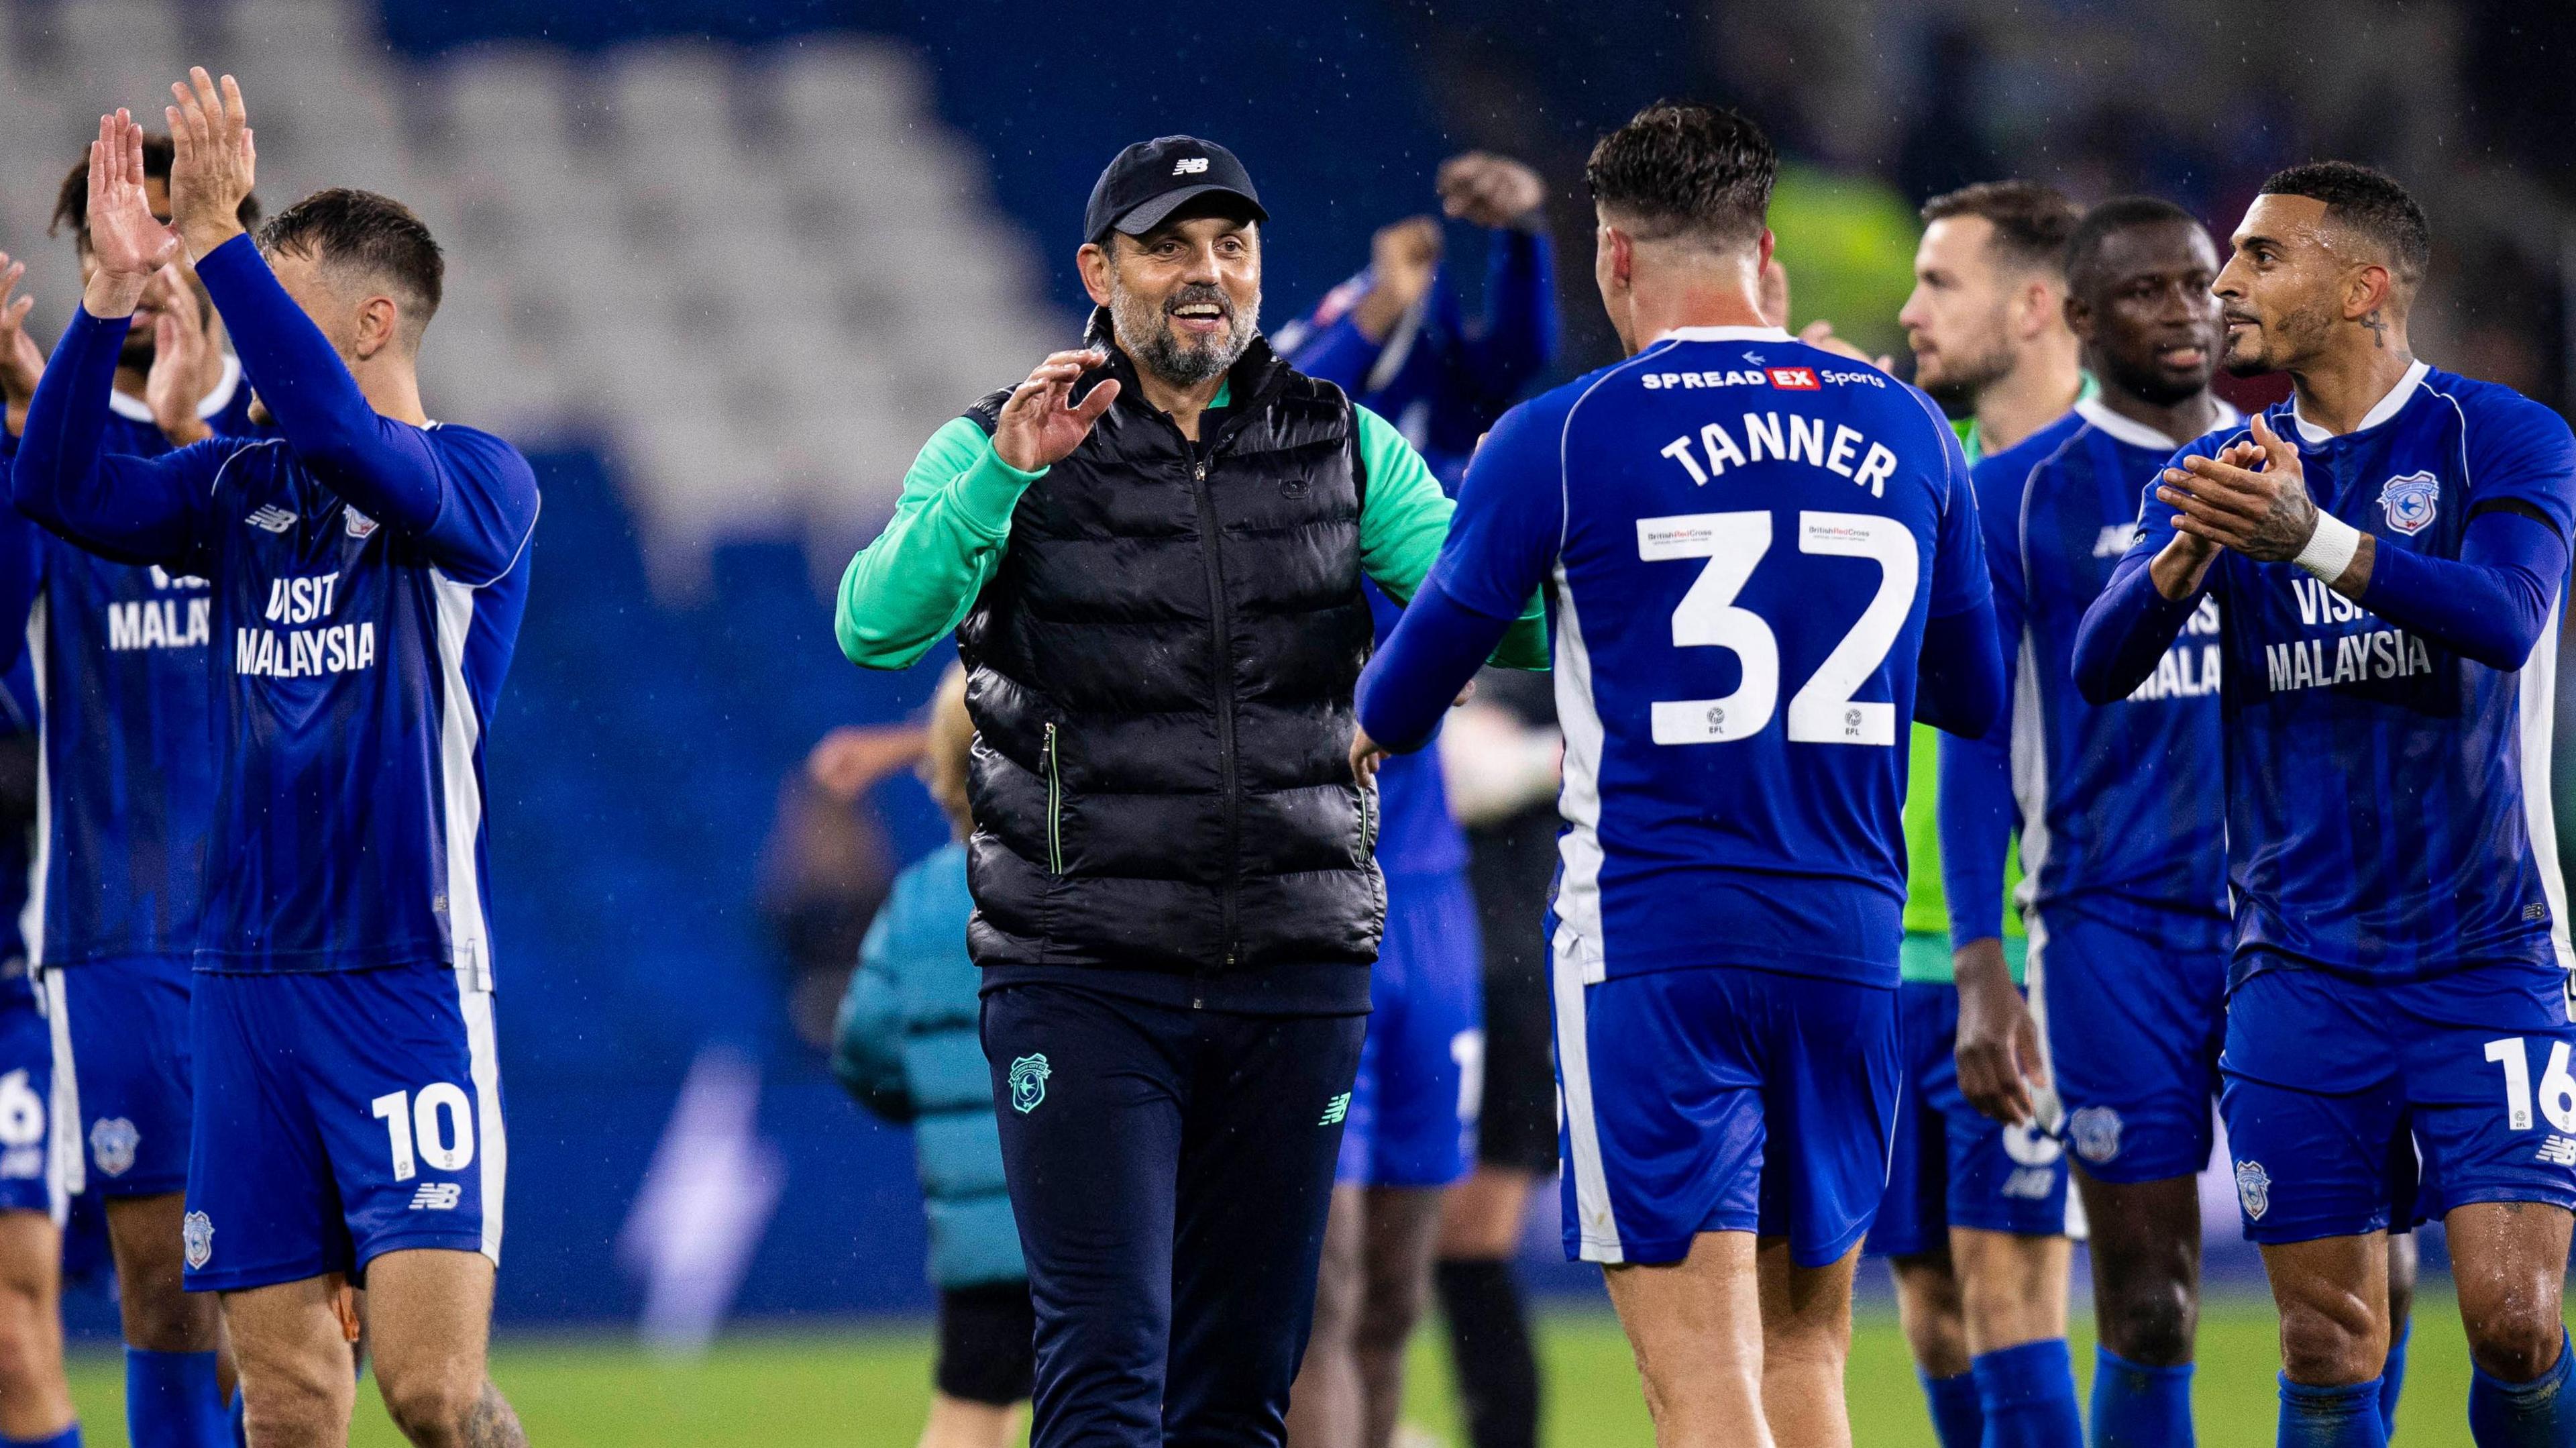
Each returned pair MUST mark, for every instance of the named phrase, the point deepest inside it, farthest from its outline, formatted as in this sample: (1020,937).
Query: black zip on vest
(1160,672)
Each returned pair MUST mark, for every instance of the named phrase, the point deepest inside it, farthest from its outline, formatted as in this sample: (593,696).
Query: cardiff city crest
(1028,1082)
(2096,1130)
(2254,1189)
(197,1235)
(112,1140)
(2410,502)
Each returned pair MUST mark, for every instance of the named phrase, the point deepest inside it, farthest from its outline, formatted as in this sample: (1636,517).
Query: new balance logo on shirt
(271,517)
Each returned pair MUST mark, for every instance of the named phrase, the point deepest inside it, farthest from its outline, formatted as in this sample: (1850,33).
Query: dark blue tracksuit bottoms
(1170,1169)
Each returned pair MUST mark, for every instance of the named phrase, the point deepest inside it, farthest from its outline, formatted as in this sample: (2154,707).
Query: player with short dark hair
(368,568)
(36,1407)
(2386,550)
(1759,551)
(119,653)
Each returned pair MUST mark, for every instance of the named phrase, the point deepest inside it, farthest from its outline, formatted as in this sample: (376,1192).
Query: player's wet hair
(368,233)
(2369,202)
(71,201)
(1686,171)
(2032,222)
(2109,219)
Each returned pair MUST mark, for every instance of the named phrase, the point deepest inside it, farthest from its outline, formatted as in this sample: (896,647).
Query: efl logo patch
(2410,502)
(437,1196)
(197,1235)
(1189,165)
(1028,1082)
(1796,379)
(112,1140)
(2254,1189)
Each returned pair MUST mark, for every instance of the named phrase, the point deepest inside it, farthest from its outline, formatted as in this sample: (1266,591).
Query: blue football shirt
(119,653)
(1745,537)
(2388,810)
(2117,805)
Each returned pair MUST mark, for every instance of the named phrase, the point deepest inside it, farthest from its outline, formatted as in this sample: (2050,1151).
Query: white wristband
(2330,548)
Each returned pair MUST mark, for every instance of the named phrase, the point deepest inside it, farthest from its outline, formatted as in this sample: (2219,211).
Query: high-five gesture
(1040,425)
(213,160)
(129,243)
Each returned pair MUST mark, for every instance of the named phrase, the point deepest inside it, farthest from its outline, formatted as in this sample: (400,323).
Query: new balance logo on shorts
(2557,1151)
(1336,1109)
(437,1196)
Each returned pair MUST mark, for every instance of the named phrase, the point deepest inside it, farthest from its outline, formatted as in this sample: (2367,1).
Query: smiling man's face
(2281,293)
(1185,298)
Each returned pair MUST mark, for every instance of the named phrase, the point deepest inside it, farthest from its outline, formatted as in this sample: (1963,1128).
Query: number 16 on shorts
(435,1125)
(2557,1096)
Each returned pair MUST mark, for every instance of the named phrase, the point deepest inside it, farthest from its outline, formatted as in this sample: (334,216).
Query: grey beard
(1148,338)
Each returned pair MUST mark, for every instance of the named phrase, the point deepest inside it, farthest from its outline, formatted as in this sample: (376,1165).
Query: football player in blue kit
(2123,843)
(368,568)
(119,651)
(1758,550)
(2386,551)
(35,1402)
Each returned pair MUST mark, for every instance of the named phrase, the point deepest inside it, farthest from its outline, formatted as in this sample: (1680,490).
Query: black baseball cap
(1151,179)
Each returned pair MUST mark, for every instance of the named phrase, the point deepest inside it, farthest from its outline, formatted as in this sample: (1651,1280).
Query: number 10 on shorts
(2557,1087)
(414,1123)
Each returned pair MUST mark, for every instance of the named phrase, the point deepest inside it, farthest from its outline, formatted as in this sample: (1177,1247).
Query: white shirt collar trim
(1723,334)
(2137,434)
(222,397)
(2380,411)
(135,409)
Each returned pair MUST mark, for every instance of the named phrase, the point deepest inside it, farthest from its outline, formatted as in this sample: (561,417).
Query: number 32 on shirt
(1822,711)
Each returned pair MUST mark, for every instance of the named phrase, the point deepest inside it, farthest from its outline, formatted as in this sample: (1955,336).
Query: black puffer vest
(1160,675)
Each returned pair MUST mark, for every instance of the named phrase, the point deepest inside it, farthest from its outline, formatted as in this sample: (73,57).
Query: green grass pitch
(864,1387)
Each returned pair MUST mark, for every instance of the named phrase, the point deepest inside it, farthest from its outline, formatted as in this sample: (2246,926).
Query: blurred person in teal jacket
(906,1045)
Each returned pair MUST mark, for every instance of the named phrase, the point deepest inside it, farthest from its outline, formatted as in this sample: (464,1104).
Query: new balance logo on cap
(271,517)
(1189,165)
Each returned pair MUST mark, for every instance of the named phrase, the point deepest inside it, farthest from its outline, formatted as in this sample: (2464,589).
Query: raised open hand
(213,160)
(1040,425)
(128,242)
(184,359)
(2265,515)
(22,363)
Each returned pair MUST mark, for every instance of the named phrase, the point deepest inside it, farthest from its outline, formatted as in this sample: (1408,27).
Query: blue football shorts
(122,1052)
(1722,1100)
(30,1175)
(1412,1120)
(1952,1166)
(2136,1014)
(345,1114)
(2355,1106)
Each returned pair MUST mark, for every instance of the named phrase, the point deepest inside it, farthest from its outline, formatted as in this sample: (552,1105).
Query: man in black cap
(1151,552)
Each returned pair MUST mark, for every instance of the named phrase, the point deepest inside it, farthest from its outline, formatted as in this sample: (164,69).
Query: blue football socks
(2345,1417)
(2027,1394)
(2136,1406)
(2536,1414)
(171,1400)
(1956,1419)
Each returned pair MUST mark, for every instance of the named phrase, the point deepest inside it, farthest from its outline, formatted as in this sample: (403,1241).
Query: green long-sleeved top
(912,586)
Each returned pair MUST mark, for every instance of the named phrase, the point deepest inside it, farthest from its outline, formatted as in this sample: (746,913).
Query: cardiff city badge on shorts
(2254,1189)
(2410,502)
(1028,1082)
(197,1235)
(2096,1132)
(112,1140)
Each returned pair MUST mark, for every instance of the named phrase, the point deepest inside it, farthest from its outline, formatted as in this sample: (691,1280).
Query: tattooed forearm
(2378,329)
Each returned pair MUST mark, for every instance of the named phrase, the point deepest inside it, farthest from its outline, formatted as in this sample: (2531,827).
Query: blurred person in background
(1974,1221)
(1395,338)
(35,1402)
(826,865)
(121,650)
(906,1046)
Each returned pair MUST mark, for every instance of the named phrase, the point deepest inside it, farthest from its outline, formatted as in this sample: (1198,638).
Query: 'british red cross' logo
(1800,379)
